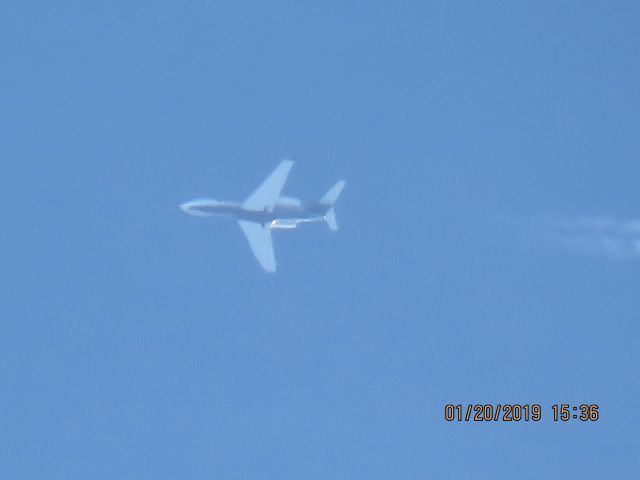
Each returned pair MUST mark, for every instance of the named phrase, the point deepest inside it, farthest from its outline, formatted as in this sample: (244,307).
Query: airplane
(266,210)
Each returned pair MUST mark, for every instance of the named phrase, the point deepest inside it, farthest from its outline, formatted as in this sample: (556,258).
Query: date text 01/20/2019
(516,412)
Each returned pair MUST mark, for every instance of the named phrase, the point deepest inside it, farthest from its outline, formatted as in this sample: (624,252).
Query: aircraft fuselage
(266,209)
(282,216)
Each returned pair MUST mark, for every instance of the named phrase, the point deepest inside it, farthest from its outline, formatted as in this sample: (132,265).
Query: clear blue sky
(140,343)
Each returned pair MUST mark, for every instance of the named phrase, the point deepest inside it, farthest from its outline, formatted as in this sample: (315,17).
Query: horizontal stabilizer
(330,218)
(332,195)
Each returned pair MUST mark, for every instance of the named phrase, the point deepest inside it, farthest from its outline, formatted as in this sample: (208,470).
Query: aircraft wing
(260,242)
(267,194)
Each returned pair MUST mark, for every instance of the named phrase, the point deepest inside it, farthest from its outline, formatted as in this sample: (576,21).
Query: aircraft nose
(185,207)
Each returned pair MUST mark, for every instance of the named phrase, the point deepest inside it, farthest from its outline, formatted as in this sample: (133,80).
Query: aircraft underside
(266,209)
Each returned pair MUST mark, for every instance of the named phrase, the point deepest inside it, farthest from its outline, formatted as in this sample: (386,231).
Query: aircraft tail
(331,197)
(329,200)
(330,218)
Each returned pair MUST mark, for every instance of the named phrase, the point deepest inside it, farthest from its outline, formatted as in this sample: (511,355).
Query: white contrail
(613,238)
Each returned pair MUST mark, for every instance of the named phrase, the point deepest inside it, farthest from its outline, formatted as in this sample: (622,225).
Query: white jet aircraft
(266,210)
